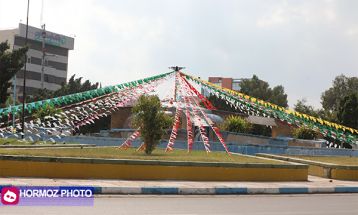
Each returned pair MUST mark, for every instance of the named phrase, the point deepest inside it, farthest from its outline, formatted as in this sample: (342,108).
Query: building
(230,83)
(50,56)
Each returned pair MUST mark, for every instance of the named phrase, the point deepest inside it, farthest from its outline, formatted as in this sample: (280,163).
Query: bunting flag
(205,138)
(128,143)
(79,114)
(81,109)
(188,105)
(254,106)
(77,97)
(174,133)
(113,103)
(203,99)
(202,131)
(189,128)
(215,129)
(206,118)
(141,147)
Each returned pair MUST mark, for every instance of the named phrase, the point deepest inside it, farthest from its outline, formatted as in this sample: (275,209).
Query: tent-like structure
(85,108)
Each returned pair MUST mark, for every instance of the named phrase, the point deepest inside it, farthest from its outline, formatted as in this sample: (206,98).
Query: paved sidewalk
(313,185)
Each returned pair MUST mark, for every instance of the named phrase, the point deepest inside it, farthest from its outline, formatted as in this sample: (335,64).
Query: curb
(214,190)
(221,190)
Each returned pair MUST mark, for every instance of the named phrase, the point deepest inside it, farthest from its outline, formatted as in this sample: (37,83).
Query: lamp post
(24,87)
(43,56)
(14,98)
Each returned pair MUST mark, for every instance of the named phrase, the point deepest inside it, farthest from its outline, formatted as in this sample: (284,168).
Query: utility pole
(24,87)
(176,69)
(43,56)
(14,98)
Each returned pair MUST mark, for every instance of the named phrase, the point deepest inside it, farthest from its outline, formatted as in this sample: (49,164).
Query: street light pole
(43,56)
(14,98)
(24,87)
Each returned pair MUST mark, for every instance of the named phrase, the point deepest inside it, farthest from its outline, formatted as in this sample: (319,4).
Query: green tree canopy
(302,107)
(261,89)
(74,85)
(10,63)
(149,117)
(348,110)
(342,86)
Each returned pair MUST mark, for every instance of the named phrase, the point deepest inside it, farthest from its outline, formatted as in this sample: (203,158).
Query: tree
(278,96)
(260,89)
(41,94)
(348,111)
(74,85)
(342,87)
(149,117)
(302,107)
(10,63)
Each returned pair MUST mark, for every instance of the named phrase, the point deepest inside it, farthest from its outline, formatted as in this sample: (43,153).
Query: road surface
(315,204)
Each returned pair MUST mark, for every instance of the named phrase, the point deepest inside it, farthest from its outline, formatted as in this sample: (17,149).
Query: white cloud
(352,31)
(308,12)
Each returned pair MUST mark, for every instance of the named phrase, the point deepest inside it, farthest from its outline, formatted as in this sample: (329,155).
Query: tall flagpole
(24,87)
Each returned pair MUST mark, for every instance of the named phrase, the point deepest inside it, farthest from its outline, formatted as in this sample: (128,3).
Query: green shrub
(46,110)
(305,133)
(236,124)
(149,117)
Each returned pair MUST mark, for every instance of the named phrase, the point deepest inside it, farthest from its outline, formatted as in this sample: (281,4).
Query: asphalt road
(335,204)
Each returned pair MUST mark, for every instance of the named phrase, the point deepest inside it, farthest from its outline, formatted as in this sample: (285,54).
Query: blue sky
(301,45)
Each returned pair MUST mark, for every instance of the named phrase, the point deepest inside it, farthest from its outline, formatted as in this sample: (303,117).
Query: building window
(236,86)
(218,83)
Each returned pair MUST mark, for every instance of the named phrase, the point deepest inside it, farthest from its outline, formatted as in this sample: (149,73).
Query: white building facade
(55,65)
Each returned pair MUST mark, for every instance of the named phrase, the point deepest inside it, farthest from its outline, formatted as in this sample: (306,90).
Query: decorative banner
(189,128)
(174,132)
(205,101)
(201,128)
(79,114)
(215,129)
(120,100)
(206,118)
(255,106)
(141,147)
(77,97)
(128,143)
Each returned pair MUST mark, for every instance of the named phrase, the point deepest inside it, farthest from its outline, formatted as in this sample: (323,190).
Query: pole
(43,56)
(24,87)
(14,98)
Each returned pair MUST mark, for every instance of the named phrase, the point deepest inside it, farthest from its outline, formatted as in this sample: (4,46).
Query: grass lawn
(13,141)
(159,154)
(332,159)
